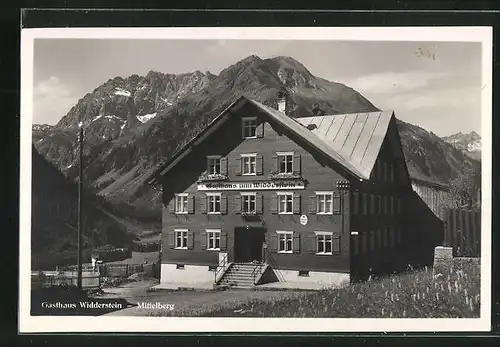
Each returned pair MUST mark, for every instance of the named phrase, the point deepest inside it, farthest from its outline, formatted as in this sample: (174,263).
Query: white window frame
(215,158)
(181,196)
(244,120)
(244,165)
(288,235)
(243,194)
(323,234)
(182,231)
(280,194)
(318,195)
(283,154)
(209,202)
(216,235)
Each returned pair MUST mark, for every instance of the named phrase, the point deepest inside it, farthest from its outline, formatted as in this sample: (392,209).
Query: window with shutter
(249,164)
(274,242)
(190,240)
(212,239)
(259,167)
(223,166)
(223,204)
(223,241)
(296,204)
(239,167)
(336,243)
(171,239)
(203,241)
(259,132)
(237,204)
(171,205)
(312,243)
(258,203)
(296,164)
(285,241)
(203,204)
(296,243)
(274,204)
(312,204)
(286,203)
(190,205)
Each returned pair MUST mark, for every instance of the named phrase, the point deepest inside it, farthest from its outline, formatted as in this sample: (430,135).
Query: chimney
(282,98)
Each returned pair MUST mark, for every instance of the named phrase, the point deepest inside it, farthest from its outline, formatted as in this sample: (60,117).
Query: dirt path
(137,292)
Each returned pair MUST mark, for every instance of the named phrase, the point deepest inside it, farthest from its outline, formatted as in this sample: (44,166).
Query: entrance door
(248,244)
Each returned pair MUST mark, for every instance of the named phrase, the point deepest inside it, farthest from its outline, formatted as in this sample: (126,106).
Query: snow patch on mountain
(474,146)
(146,117)
(122,92)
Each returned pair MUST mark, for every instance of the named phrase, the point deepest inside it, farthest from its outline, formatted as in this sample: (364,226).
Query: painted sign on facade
(260,185)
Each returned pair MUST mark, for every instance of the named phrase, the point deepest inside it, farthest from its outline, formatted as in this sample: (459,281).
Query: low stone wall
(444,261)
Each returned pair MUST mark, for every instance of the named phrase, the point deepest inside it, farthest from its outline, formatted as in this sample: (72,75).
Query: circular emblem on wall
(303,219)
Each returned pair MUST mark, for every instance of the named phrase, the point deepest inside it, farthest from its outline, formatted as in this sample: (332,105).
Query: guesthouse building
(258,196)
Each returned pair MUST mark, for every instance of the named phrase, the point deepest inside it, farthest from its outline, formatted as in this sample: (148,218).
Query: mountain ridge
(121,151)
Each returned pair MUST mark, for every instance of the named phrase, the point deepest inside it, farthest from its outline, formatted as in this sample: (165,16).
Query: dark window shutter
(274,242)
(208,164)
(296,243)
(274,162)
(296,163)
(399,205)
(392,206)
(259,131)
(313,243)
(274,204)
(313,202)
(355,203)
(203,203)
(259,165)
(223,240)
(258,203)
(190,240)
(223,166)
(171,205)
(238,166)
(223,204)
(365,204)
(237,203)
(171,239)
(336,243)
(296,204)
(336,203)
(190,204)
(203,241)
(372,204)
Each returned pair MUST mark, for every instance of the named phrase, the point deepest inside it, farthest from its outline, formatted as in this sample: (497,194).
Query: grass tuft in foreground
(419,294)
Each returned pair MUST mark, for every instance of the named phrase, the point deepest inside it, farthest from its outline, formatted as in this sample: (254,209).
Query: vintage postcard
(255,179)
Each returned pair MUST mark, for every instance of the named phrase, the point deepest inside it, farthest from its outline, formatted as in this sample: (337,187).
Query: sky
(434,85)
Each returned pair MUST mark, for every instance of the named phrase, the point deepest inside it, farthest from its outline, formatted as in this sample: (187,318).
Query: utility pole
(80,188)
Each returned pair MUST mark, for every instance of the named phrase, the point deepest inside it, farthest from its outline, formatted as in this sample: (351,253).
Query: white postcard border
(31,324)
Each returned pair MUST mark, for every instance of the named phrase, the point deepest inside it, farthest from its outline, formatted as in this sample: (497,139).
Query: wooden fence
(462,231)
(118,270)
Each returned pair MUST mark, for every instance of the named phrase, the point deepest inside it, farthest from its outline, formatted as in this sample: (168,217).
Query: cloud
(391,82)
(52,99)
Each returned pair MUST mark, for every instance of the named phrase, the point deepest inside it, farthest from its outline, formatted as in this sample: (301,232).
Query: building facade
(315,199)
(435,195)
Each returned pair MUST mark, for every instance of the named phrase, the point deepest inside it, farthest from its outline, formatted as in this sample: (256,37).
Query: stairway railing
(257,271)
(222,265)
(273,264)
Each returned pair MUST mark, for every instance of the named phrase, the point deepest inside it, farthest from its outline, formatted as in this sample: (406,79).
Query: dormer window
(213,165)
(285,162)
(249,127)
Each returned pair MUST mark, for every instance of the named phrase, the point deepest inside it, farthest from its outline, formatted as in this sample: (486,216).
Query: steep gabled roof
(352,140)
(356,137)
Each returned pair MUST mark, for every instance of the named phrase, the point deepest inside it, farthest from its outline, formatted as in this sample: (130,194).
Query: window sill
(181,212)
(214,213)
(213,249)
(249,137)
(324,253)
(249,174)
(286,213)
(284,176)
(285,252)
(181,248)
(324,213)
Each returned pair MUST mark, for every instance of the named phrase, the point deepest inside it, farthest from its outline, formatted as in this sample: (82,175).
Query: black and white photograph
(226,176)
